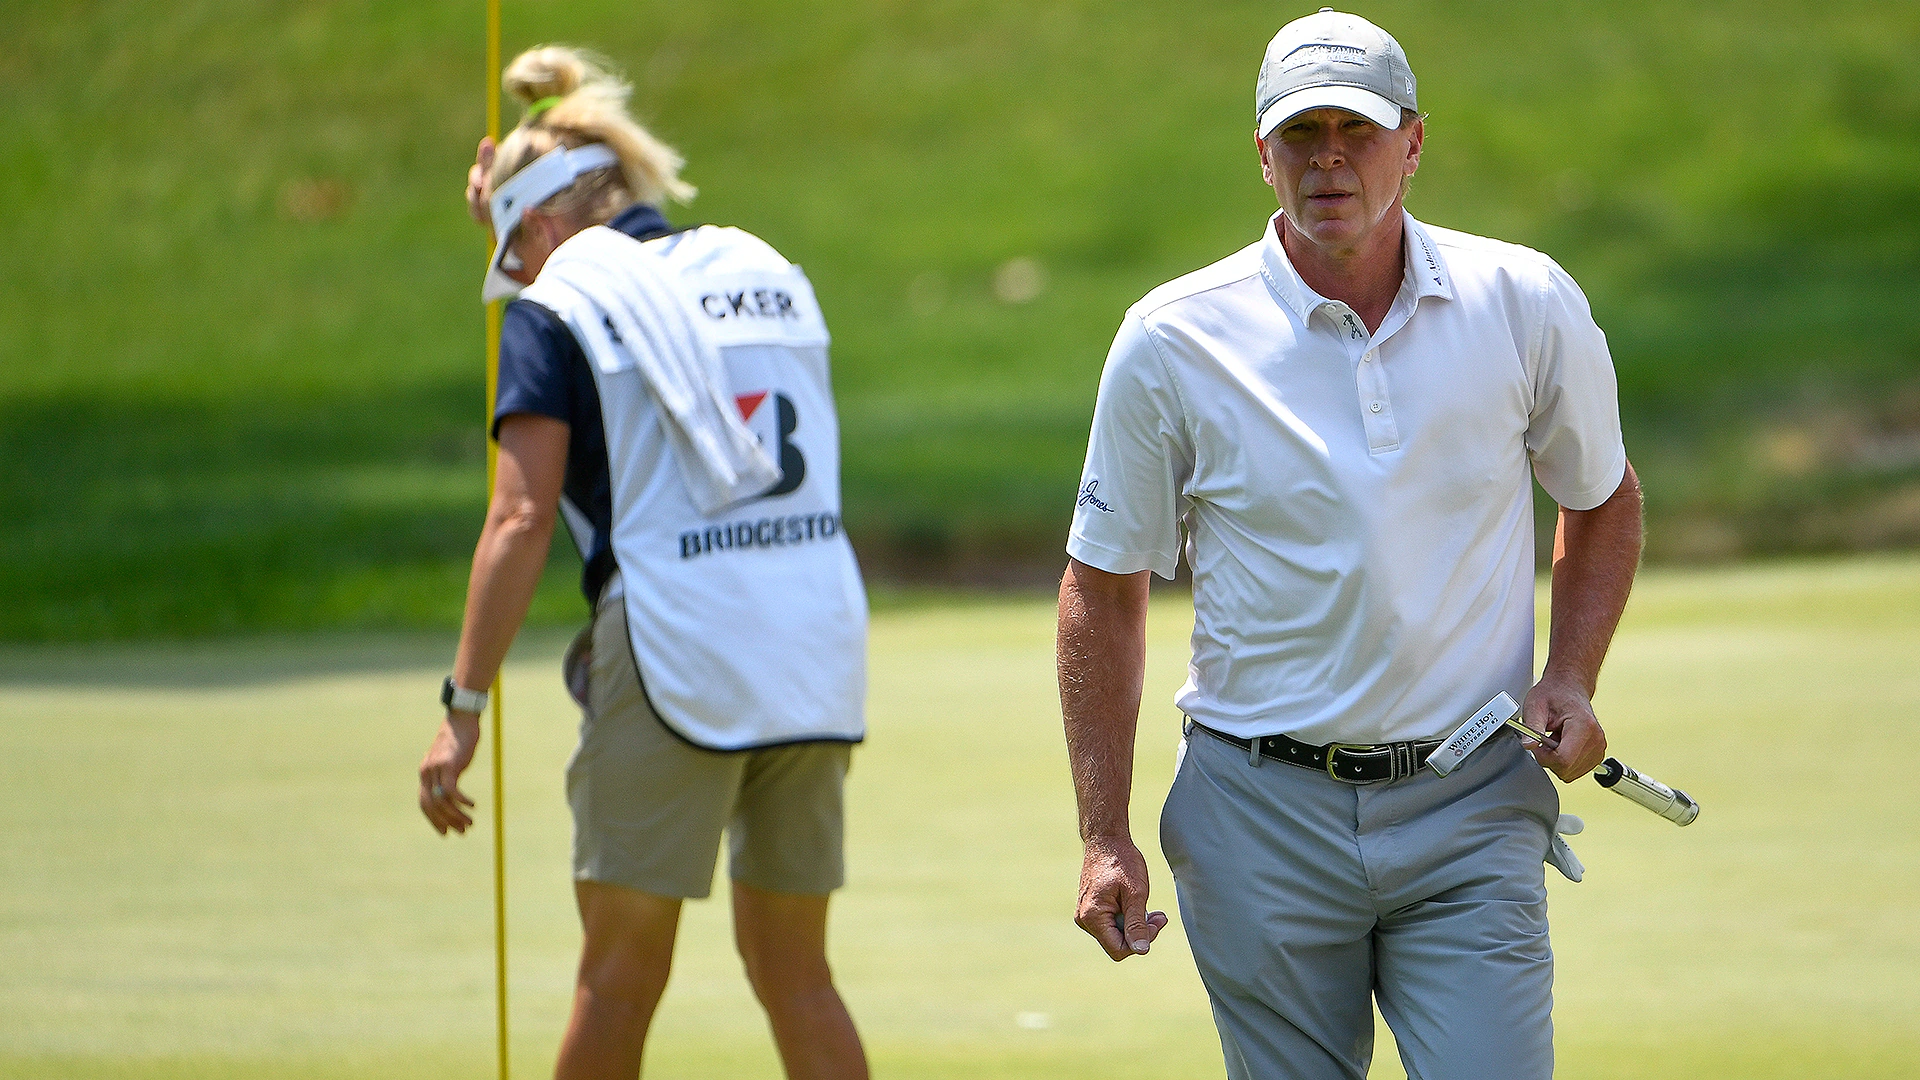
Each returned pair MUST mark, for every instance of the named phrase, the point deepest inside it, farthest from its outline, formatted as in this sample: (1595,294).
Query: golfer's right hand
(477,183)
(441,799)
(1113,898)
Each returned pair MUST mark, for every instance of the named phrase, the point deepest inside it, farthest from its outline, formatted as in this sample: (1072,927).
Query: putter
(1477,729)
(1614,775)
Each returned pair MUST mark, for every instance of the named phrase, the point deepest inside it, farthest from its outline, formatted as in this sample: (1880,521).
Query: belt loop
(1253,752)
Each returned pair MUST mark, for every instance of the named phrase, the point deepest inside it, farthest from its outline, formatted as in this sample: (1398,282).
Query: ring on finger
(439,792)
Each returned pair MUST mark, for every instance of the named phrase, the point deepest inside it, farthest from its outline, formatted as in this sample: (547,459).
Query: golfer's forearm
(506,571)
(1100,738)
(1102,661)
(1596,553)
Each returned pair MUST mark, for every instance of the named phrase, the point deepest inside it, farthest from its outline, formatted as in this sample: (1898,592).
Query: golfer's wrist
(1569,667)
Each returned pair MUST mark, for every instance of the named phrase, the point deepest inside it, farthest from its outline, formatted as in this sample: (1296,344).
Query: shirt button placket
(1382,433)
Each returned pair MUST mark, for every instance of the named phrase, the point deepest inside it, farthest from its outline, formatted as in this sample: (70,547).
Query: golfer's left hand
(1559,707)
(441,799)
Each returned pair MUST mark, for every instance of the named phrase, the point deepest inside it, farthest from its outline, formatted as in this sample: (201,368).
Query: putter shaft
(1547,741)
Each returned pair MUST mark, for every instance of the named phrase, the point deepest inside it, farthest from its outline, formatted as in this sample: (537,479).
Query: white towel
(619,301)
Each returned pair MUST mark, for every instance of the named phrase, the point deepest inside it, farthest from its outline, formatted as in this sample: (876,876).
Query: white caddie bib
(748,624)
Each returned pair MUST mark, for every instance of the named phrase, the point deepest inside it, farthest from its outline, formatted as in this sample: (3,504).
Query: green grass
(240,350)
(210,865)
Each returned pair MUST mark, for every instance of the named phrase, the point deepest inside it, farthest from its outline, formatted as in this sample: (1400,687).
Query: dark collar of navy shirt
(642,222)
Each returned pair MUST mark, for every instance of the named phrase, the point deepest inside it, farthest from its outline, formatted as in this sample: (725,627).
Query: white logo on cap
(1328,52)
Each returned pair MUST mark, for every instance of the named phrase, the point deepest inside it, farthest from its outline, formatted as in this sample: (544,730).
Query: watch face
(446,692)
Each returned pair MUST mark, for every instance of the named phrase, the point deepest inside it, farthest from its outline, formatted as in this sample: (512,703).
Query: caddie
(1341,423)
(666,392)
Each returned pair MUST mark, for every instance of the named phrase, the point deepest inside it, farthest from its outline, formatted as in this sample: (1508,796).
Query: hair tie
(534,110)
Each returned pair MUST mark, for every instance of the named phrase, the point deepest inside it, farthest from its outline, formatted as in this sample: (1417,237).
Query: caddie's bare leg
(782,939)
(624,962)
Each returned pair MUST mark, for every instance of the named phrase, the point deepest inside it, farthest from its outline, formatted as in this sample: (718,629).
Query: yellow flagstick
(493,454)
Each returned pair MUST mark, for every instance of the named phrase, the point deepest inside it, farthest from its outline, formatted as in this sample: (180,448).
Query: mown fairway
(210,865)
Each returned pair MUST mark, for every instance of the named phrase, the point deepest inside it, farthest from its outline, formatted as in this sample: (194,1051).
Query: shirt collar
(640,221)
(1426,269)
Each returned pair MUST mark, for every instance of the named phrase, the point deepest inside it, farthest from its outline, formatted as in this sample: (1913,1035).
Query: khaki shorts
(649,807)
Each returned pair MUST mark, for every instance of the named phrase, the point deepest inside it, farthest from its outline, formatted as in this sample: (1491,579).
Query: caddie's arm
(1101,655)
(512,551)
(1595,555)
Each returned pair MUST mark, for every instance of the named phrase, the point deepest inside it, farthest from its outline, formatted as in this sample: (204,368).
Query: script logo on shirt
(1088,498)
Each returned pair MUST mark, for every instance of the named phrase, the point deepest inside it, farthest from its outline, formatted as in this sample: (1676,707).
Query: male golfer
(1342,419)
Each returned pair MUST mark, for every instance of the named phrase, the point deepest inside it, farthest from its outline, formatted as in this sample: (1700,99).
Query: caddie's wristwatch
(460,699)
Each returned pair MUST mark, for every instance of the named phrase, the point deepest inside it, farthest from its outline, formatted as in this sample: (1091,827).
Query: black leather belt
(1349,763)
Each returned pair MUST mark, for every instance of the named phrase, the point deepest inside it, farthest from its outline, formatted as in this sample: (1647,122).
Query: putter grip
(1669,803)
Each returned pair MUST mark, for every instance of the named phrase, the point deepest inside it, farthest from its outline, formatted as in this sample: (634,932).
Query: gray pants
(1305,898)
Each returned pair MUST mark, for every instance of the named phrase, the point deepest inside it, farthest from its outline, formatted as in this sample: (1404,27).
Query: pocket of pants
(1543,795)
(1170,847)
(576,667)
(1533,793)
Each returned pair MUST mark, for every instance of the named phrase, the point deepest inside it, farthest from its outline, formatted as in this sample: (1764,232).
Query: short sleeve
(1126,517)
(1573,431)
(535,364)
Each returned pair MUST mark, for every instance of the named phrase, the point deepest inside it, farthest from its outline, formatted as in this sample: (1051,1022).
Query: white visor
(549,174)
(1353,99)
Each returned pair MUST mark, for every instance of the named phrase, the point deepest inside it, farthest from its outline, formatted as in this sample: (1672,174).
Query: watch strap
(458,698)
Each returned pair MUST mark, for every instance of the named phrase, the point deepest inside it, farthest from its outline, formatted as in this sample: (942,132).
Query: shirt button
(1375,406)
(1367,359)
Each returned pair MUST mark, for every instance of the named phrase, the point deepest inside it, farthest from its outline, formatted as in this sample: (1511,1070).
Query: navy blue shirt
(544,371)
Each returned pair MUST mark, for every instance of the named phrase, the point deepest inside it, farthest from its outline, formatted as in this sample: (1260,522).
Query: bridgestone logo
(767,532)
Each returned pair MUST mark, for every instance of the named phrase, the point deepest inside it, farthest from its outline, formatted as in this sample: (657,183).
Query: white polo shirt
(1356,506)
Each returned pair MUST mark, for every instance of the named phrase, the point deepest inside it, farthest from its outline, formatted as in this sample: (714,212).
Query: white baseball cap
(549,174)
(1331,59)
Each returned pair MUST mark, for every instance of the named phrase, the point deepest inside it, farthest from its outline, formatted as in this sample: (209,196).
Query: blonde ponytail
(573,98)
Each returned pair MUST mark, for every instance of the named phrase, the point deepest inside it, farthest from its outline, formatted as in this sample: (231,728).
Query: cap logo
(1323,52)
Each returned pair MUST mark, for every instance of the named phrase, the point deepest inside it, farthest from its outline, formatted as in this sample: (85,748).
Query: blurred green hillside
(240,338)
